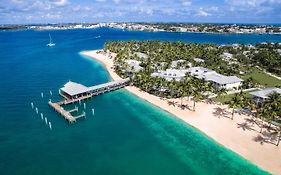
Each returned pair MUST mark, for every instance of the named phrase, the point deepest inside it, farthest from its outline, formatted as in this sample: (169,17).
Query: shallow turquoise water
(126,136)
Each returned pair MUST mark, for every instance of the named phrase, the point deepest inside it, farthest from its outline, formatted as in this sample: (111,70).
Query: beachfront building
(217,80)
(261,95)
(171,74)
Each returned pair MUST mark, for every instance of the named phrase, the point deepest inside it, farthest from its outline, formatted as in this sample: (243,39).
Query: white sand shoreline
(232,134)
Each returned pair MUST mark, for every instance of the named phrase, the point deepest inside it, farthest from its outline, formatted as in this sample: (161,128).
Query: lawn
(226,98)
(262,78)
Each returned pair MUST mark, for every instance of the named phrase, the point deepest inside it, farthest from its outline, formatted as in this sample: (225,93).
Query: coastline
(232,134)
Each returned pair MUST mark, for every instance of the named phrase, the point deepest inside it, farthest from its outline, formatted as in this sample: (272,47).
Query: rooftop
(210,75)
(199,60)
(264,93)
(73,88)
(175,63)
(171,74)
(109,84)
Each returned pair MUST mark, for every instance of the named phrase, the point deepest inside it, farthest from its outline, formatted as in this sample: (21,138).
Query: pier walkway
(73,92)
(62,112)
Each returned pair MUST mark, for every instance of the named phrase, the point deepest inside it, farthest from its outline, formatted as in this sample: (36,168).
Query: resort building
(217,80)
(171,74)
(199,60)
(142,56)
(226,56)
(175,64)
(134,65)
(279,51)
(261,95)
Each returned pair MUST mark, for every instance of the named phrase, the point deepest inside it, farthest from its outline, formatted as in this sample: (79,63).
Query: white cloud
(168,11)
(186,2)
(137,10)
(76,8)
(59,3)
(202,13)
(53,16)
(117,1)
(87,8)
(252,3)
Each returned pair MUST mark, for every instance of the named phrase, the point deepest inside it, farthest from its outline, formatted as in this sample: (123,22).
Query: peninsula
(241,134)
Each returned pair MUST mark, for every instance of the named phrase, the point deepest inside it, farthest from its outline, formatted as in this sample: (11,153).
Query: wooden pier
(62,112)
(74,92)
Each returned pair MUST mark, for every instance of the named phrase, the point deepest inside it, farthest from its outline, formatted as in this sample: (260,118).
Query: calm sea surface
(126,136)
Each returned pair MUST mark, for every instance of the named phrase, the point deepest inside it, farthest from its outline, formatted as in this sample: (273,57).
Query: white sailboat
(50,43)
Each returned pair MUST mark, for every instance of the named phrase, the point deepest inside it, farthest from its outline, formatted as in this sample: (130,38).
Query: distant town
(156,27)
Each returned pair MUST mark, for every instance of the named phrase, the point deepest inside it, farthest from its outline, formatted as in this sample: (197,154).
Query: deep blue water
(126,136)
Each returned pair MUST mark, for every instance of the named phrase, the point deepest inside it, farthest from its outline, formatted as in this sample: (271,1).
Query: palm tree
(279,135)
(271,110)
(197,96)
(181,93)
(235,102)
(263,113)
(221,92)
(273,104)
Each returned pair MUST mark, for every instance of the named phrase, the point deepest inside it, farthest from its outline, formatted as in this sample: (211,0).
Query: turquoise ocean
(125,136)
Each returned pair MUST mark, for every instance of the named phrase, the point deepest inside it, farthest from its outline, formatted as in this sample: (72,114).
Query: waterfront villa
(261,95)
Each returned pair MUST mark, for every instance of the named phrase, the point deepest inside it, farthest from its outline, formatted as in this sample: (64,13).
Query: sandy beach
(240,135)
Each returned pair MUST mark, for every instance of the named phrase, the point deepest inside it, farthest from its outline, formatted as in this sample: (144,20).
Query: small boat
(50,43)
(98,36)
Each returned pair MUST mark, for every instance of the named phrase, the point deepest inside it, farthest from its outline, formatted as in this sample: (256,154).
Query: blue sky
(56,11)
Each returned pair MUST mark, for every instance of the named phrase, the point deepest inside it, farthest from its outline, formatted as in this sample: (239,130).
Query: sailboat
(50,43)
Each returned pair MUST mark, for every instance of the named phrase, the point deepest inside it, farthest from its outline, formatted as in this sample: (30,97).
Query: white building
(174,64)
(279,51)
(199,60)
(261,95)
(142,55)
(171,74)
(216,79)
(134,65)
(226,56)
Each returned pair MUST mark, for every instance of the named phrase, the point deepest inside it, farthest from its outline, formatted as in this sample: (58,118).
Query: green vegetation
(239,60)
(270,111)
(227,98)
(262,78)
(154,56)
